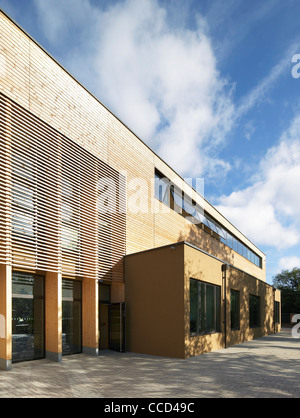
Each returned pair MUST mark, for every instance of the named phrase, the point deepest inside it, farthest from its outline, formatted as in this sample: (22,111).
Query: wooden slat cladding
(51,189)
(5,181)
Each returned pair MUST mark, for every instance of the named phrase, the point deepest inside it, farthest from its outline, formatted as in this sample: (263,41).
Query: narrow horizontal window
(181,203)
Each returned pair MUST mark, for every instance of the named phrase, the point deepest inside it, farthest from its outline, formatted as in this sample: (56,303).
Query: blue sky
(207,84)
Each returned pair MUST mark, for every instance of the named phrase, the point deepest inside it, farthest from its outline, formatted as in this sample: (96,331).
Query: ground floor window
(205,301)
(71,317)
(254,311)
(235,309)
(28,313)
(277,312)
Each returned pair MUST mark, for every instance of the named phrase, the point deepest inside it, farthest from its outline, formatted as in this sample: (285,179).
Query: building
(102,244)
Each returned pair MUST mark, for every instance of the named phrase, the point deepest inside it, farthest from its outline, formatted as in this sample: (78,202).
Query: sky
(212,86)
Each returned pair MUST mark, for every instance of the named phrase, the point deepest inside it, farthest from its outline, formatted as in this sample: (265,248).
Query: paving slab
(263,368)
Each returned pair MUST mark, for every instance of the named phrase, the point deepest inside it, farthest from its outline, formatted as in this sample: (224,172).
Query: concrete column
(5,317)
(90,317)
(53,316)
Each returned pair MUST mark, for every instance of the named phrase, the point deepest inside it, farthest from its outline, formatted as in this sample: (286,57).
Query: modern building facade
(102,244)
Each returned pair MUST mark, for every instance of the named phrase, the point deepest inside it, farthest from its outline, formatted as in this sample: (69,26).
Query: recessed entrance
(111,321)
(71,317)
(104,327)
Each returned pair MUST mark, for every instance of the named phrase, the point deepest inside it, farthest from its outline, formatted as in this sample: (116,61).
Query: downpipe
(225,268)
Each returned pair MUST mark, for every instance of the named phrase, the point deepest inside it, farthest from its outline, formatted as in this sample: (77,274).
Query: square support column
(53,316)
(5,317)
(90,317)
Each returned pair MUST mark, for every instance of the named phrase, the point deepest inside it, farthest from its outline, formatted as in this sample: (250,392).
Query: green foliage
(288,281)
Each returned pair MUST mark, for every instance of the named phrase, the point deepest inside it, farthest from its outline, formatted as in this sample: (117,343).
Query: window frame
(254,322)
(162,186)
(202,309)
(165,191)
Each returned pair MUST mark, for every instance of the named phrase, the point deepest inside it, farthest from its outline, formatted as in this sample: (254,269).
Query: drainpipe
(224,270)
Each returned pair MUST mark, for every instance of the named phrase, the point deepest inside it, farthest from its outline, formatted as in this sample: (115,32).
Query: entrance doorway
(71,317)
(28,313)
(111,321)
(104,327)
(117,327)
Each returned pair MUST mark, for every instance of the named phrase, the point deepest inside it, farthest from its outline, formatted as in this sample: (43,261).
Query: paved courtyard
(267,367)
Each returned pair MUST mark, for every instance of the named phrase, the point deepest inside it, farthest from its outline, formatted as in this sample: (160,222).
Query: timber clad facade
(53,222)
(81,267)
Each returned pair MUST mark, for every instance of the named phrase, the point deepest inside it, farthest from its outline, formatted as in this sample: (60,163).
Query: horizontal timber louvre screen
(49,209)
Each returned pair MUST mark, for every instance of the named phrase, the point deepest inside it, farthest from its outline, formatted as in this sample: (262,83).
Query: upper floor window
(171,195)
(70,207)
(24,198)
(162,188)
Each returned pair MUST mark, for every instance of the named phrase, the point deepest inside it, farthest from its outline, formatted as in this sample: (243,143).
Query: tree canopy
(288,280)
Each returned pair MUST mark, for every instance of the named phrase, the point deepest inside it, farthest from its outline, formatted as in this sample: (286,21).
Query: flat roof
(177,244)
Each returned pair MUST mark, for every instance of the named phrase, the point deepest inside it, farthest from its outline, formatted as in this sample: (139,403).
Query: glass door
(28,312)
(71,317)
(117,341)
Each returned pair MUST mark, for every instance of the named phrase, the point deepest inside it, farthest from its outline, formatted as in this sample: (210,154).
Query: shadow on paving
(267,367)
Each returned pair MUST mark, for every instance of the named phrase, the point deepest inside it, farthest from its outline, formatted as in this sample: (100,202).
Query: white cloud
(288,263)
(57,17)
(164,84)
(160,79)
(259,92)
(268,211)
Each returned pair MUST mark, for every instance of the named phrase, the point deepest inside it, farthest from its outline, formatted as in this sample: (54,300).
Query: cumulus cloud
(288,263)
(269,210)
(59,19)
(160,79)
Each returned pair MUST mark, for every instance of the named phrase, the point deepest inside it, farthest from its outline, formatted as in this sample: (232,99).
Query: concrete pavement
(266,367)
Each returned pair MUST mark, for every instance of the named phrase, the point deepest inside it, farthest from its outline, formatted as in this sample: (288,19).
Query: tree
(288,281)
